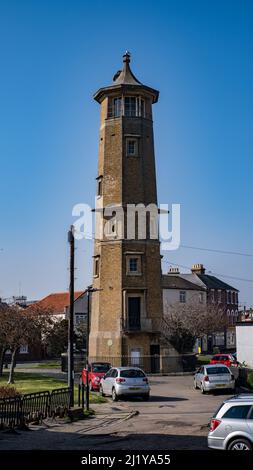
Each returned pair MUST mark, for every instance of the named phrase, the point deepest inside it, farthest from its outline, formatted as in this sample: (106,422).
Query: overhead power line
(210,272)
(235,278)
(212,250)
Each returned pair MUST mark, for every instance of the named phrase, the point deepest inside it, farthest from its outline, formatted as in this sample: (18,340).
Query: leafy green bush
(7,391)
(250,379)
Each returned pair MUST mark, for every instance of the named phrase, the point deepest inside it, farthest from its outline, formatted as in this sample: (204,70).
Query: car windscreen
(217,370)
(131,373)
(99,368)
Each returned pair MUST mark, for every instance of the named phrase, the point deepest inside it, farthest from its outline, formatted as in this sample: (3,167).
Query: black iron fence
(152,364)
(20,410)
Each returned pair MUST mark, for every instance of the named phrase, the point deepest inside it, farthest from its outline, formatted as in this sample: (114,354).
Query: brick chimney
(198,269)
(173,270)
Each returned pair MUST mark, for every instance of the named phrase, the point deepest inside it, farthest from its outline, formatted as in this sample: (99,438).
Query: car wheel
(240,444)
(101,391)
(195,385)
(90,386)
(202,389)
(114,395)
(146,397)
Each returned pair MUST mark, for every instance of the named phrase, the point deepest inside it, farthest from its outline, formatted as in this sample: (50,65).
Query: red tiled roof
(58,302)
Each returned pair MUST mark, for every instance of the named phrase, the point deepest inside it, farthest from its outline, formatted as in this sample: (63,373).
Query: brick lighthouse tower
(127,310)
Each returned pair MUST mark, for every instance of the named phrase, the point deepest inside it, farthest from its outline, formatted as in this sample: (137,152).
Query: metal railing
(152,364)
(59,401)
(20,410)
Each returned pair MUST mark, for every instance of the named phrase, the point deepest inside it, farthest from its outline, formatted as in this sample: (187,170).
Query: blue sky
(54,56)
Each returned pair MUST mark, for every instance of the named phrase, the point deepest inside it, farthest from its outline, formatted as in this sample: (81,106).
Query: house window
(182,296)
(99,186)
(134,265)
(96,267)
(229,297)
(114,107)
(130,106)
(212,296)
(23,349)
(219,297)
(201,297)
(141,105)
(80,318)
(132,147)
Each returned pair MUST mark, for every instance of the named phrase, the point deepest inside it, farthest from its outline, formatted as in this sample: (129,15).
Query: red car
(97,370)
(226,359)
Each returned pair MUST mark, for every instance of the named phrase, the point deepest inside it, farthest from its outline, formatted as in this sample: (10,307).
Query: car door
(200,376)
(109,381)
(250,422)
(106,381)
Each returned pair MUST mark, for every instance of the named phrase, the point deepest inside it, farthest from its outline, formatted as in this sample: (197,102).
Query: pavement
(176,417)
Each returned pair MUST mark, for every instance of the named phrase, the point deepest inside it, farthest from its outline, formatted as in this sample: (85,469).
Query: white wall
(172,297)
(244,343)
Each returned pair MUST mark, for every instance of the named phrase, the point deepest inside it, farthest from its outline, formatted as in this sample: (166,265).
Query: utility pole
(71,373)
(87,397)
(90,289)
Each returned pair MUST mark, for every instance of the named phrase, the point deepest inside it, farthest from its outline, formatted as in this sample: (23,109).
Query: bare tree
(184,323)
(4,312)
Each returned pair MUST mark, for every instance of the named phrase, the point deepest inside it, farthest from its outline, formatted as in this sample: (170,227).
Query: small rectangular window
(132,147)
(96,267)
(182,296)
(100,187)
(114,107)
(141,106)
(130,106)
(133,265)
(201,297)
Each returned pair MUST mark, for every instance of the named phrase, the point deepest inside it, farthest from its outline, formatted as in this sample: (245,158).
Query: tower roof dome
(126,76)
(125,80)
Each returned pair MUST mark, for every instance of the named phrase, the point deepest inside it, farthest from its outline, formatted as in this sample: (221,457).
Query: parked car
(226,359)
(97,371)
(231,427)
(125,381)
(214,377)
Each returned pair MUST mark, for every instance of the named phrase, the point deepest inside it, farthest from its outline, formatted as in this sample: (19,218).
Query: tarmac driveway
(176,417)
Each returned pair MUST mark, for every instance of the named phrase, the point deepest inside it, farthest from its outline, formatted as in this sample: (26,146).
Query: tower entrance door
(155,358)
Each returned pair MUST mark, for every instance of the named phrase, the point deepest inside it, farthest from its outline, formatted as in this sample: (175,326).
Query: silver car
(122,381)
(231,427)
(214,377)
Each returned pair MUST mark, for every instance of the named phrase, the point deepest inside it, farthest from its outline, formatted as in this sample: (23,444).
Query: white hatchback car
(214,377)
(125,381)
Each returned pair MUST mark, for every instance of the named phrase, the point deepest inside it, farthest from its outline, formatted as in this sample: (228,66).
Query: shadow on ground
(153,398)
(45,440)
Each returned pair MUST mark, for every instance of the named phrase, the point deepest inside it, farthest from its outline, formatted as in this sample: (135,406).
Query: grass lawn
(29,383)
(40,365)
(203,359)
